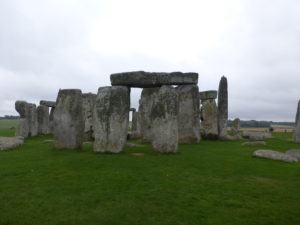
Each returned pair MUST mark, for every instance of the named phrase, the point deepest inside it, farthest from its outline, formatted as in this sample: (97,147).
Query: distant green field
(5,125)
(213,183)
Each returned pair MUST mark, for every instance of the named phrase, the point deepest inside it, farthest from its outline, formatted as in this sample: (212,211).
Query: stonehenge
(222,108)
(51,105)
(68,119)
(28,125)
(297,126)
(43,119)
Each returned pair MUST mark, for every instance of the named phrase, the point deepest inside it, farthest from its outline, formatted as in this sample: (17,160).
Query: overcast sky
(51,44)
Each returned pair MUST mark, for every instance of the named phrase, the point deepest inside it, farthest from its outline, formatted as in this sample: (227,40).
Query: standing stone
(134,120)
(144,120)
(88,102)
(209,119)
(43,119)
(222,109)
(164,117)
(23,127)
(68,119)
(111,113)
(188,114)
(235,127)
(33,122)
(297,126)
(51,120)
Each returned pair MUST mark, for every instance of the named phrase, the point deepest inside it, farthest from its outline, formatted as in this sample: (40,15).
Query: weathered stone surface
(205,95)
(43,119)
(254,143)
(274,155)
(88,102)
(146,79)
(68,119)
(23,127)
(134,121)
(209,120)
(132,109)
(294,153)
(22,108)
(51,104)
(297,126)
(111,115)
(51,120)
(222,108)
(235,128)
(256,136)
(188,114)
(10,142)
(144,116)
(33,120)
(164,117)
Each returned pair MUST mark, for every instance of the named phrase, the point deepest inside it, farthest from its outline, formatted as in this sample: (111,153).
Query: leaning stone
(88,102)
(222,108)
(144,116)
(188,114)
(43,119)
(145,79)
(294,153)
(111,114)
(209,120)
(235,128)
(297,126)
(164,117)
(51,104)
(7,143)
(254,143)
(206,95)
(274,155)
(68,119)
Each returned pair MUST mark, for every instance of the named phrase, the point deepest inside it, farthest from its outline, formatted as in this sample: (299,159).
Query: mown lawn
(214,182)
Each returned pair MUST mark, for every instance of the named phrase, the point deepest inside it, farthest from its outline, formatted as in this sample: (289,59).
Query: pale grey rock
(188,114)
(50,104)
(206,95)
(274,155)
(146,79)
(144,116)
(257,136)
(297,126)
(88,102)
(209,120)
(23,127)
(164,117)
(68,119)
(111,114)
(235,128)
(134,121)
(222,108)
(7,143)
(294,153)
(43,119)
(33,120)
(254,143)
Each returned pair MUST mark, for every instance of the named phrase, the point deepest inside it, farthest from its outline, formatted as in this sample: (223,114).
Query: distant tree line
(261,124)
(7,117)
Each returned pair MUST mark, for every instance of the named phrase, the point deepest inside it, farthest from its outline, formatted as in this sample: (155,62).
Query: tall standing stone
(23,127)
(111,113)
(209,119)
(188,114)
(235,127)
(222,108)
(164,117)
(297,126)
(144,117)
(88,102)
(43,119)
(68,119)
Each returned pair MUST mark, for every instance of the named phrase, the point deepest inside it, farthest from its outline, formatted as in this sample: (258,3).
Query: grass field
(214,182)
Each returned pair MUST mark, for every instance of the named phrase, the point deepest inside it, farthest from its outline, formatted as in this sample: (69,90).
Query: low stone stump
(254,143)
(274,155)
(7,143)
(68,119)
(111,114)
(164,117)
(43,119)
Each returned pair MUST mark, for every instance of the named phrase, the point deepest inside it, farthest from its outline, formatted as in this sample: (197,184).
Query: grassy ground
(214,182)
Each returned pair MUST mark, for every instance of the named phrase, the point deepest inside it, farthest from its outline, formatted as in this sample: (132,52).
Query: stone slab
(205,95)
(48,103)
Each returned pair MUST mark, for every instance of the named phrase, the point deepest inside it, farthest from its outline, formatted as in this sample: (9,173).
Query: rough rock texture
(51,104)
(254,143)
(51,120)
(111,114)
(222,108)
(10,142)
(297,126)
(164,117)
(145,79)
(205,95)
(270,154)
(256,136)
(33,120)
(134,121)
(235,128)
(43,119)
(23,127)
(294,153)
(68,119)
(209,119)
(88,102)
(144,119)
(188,114)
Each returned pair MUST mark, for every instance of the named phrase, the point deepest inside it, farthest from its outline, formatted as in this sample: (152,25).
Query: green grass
(5,125)
(214,182)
